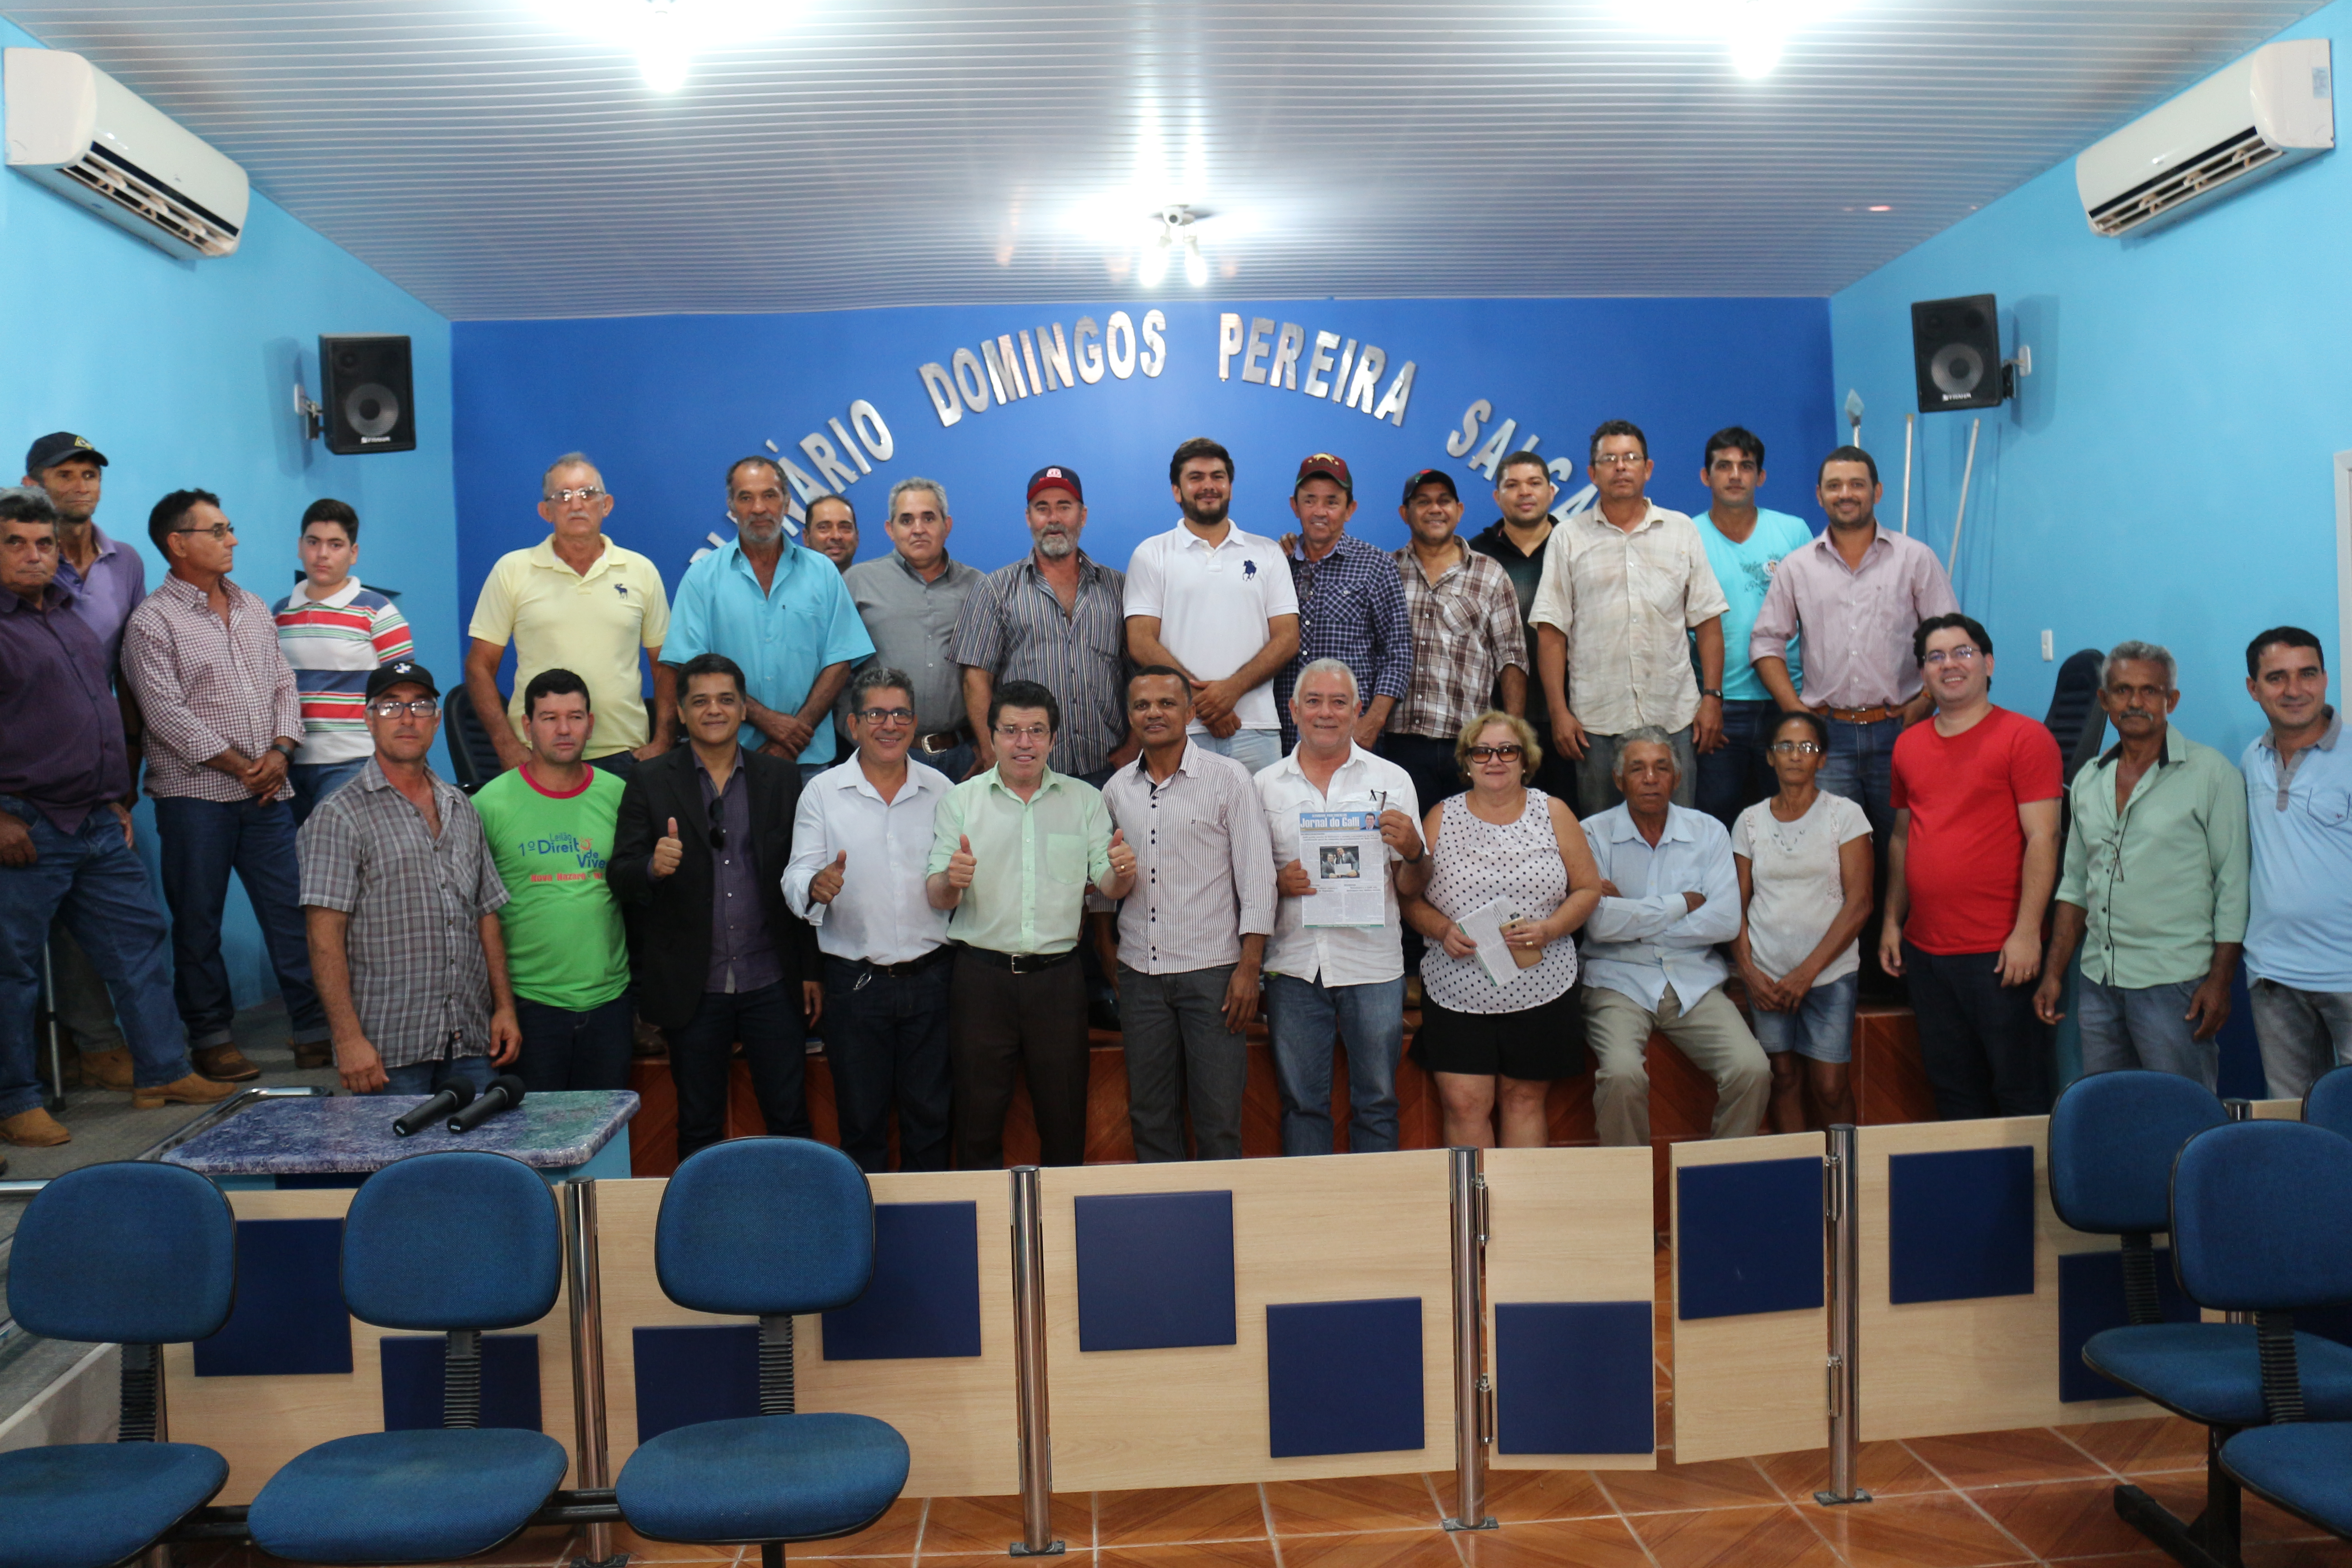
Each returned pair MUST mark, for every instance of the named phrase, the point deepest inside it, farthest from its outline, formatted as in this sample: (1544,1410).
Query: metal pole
(1908,419)
(1474,1392)
(2239,1110)
(1968,471)
(57,1032)
(586,1290)
(1840,1184)
(1029,1368)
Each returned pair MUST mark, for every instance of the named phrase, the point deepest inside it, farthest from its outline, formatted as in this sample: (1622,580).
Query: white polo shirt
(1214,602)
(1337,955)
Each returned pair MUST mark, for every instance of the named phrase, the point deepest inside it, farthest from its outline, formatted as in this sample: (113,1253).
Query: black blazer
(670,920)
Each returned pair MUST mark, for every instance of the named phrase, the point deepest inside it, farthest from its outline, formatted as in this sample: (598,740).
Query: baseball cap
(1329,467)
(1054,477)
(1429,477)
(55,448)
(406,673)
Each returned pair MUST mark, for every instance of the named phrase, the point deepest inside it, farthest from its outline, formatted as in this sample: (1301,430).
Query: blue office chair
(765,1228)
(454,1243)
(2112,1137)
(2328,1102)
(135,1253)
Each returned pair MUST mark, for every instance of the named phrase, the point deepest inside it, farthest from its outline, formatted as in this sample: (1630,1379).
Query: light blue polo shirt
(2299,929)
(806,621)
(1745,572)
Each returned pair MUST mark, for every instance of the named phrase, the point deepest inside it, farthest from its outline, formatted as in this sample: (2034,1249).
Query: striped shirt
(334,644)
(1466,631)
(205,686)
(1013,626)
(1350,608)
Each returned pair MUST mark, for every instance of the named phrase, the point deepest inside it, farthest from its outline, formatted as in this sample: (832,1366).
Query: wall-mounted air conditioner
(2274,108)
(79,131)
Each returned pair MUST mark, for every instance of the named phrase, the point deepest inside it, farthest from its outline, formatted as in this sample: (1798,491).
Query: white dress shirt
(1212,603)
(1341,956)
(1638,943)
(882,913)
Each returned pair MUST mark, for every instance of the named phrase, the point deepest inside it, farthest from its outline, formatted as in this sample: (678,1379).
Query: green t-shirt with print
(565,946)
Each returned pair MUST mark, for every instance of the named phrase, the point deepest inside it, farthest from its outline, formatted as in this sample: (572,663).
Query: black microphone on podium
(504,1094)
(457,1097)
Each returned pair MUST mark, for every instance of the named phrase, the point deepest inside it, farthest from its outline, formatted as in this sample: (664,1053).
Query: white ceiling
(910,152)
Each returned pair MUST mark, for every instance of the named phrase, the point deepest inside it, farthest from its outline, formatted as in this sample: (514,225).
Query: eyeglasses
(583,492)
(1796,748)
(424,708)
(717,837)
(1967,653)
(887,715)
(1620,459)
(1024,731)
(219,530)
(1507,753)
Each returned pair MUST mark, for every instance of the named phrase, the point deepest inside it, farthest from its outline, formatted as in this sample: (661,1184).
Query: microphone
(504,1094)
(457,1097)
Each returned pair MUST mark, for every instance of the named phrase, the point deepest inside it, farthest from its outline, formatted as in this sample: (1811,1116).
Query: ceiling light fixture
(1754,32)
(667,36)
(1169,230)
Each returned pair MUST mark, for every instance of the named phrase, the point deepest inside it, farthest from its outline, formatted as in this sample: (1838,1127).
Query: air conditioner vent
(126,184)
(2241,154)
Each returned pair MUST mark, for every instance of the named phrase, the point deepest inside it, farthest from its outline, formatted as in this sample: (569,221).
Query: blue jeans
(885,1038)
(314,781)
(2301,1033)
(768,1024)
(1257,749)
(1820,1029)
(202,841)
(431,1077)
(1303,1016)
(1860,767)
(1738,773)
(93,881)
(620,765)
(955,762)
(2143,1027)
(562,1049)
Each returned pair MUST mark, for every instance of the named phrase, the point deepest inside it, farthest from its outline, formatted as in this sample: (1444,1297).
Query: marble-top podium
(336,1142)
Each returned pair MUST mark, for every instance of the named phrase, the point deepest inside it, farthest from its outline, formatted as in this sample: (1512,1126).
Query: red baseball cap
(1329,466)
(1054,477)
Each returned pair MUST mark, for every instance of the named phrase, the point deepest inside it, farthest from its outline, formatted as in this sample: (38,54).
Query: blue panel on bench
(1574,1377)
(1960,1225)
(289,1317)
(313,1181)
(1749,1240)
(924,1299)
(695,1373)
(1344,1377)
(413,1383)
(1155,1271)
(2091,1301)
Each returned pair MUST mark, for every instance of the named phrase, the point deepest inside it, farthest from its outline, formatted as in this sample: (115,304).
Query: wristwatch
(1714,691)
(285,749)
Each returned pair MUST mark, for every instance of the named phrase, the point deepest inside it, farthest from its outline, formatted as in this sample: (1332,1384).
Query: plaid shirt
(1465,629)
(1350,609)
(1013,625)
(420,980)
(205,686)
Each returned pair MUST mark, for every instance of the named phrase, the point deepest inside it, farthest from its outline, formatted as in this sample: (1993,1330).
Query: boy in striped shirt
(334,632)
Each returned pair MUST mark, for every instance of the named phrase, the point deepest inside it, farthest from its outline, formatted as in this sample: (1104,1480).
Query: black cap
(407,673)
(57,447)
(1429,477)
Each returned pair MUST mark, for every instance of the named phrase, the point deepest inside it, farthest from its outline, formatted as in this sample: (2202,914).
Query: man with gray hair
(909,601)
(2154,890)
(1669,895)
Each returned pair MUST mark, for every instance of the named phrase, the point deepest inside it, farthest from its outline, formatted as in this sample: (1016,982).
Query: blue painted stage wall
(665,403)
(2166,473)
(183,373)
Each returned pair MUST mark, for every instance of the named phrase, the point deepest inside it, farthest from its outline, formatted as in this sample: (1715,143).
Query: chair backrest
(2113,1139)
(2262,1217)
(2330,1103)
(472,759)
(2074,720)
(460,1240)
(755,1226)
(131,1252)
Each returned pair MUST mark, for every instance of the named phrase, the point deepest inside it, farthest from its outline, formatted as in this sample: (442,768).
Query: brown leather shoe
(193,1090)
(34,1129)
(106,1069)
(317,1054)
(226,1064)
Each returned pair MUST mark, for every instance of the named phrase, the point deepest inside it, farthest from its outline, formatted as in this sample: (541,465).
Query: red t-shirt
(1966,852)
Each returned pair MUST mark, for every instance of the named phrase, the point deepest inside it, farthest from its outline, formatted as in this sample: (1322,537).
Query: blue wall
(183,373)
(665,403)
(2165,472)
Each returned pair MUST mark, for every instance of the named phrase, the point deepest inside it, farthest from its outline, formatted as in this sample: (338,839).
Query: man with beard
(1052,618)
(769,605)
(1217,603)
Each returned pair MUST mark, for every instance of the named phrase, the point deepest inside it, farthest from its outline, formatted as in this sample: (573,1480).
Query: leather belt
(911,966)
(1019,963)
(944,740)
(1864,715)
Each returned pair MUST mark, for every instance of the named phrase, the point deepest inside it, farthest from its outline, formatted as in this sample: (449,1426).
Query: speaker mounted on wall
(369,403)
(1956,355)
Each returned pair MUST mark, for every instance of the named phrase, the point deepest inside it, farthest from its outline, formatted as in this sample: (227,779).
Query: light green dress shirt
(1036,858)
(2164,879)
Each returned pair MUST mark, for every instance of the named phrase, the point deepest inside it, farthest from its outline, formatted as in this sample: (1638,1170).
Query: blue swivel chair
(765,1228)
(455,1244)
(135,1253)
(2330,1103)
(2262,1224)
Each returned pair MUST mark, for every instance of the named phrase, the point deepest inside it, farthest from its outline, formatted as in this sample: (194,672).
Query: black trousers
(768,1024)
(885,1037)
(1003,1025)
(1984,1052)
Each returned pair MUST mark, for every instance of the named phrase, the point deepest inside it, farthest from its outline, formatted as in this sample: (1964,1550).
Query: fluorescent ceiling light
(1755,32)
(666,35)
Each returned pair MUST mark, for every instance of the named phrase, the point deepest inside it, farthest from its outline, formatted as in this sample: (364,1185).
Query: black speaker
(370,404)
(1955,353)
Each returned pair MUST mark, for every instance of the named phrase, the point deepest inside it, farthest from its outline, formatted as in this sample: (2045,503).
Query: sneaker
(193,1090)
(226,1064)
(106,1069)
(34,1129)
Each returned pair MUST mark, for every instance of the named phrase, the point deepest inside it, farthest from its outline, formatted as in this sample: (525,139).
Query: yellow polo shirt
(592,626)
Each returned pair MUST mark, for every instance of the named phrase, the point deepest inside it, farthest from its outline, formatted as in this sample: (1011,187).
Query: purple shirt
(63,748)
(1855,625)
(116,582)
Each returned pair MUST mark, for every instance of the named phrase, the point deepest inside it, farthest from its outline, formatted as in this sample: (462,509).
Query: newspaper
(1347,864)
